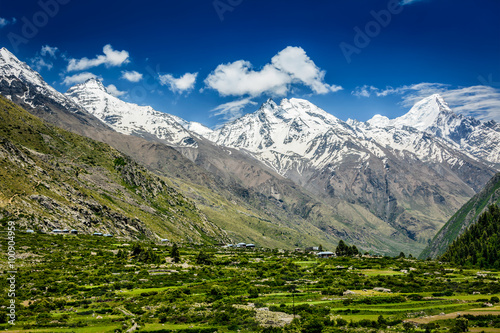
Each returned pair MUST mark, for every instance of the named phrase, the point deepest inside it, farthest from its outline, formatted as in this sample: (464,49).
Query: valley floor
(83,283)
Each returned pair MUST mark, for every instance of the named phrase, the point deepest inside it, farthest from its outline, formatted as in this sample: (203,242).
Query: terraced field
(83,283)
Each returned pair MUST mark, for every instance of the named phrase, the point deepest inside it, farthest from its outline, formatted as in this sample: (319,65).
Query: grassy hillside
(463,218)
(478,245)
(52,178)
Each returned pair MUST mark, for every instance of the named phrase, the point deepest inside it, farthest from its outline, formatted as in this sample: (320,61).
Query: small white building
(325,254)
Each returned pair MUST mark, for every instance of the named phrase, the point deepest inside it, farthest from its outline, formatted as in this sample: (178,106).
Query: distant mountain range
(307,176)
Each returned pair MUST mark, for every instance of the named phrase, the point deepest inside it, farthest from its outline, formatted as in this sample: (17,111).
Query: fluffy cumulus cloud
(180,85)
(4,22)
(49,51)
(232,110)
(78,78)
(110,58)
(132,76)
(482,102)
(112,90)
(289,66)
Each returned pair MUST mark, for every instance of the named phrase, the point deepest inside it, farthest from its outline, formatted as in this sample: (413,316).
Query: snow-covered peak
(12,69)
(194,126)
(11,66)
(129,118)
(91,84)
(7,55)
(424,113)
(269,104)
(379,121)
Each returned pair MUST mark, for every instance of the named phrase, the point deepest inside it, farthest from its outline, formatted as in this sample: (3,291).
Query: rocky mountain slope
(287,175)
(235,191)
(407,177)
(463,218)
(52,178)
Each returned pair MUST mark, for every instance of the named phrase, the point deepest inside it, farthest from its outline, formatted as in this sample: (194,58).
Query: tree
(313,325)
(175,254)
(461,325)
(408,327)
(203,258)
(342,249)
(382,322)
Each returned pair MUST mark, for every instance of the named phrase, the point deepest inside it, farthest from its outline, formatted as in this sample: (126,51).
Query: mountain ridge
(466,216)
(299,166)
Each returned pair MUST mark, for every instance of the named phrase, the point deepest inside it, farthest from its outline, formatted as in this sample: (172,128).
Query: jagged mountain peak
(92,83)
(10,66)
(424,113)
(6,54)
(129,118)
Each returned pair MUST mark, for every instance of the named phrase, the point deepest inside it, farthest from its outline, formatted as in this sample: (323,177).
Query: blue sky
(214,60)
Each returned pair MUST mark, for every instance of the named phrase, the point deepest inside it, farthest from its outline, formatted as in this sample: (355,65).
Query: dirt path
(453,315)
(133,328)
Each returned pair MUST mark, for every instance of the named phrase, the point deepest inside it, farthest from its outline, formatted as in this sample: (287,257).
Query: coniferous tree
(175,254)
(479,245)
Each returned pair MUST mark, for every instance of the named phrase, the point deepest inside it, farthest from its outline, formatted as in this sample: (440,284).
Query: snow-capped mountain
(129,118)
(13,70)
(395,168)
(400,179)
(298,135)
(433,115)
(288,135)
(193,126)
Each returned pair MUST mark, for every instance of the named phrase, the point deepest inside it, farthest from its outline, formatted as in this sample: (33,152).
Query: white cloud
(482,102)
(49,50)
(180,85)
(4,21)
(295,62)
(367,91)
(38,63)
(132,76)
(110,58)
(289,66)
(78,78)
(111,89)
(364,91)
(232,110)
